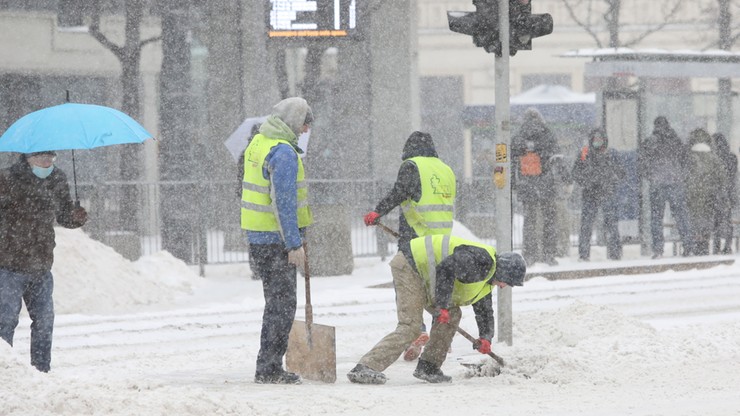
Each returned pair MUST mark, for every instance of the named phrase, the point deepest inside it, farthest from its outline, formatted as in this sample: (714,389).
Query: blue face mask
(42,172)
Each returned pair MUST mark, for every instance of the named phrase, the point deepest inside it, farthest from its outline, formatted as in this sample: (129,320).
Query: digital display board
(311,18)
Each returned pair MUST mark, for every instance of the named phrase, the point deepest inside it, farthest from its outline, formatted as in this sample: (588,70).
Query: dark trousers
(36,292)
(723,229)
(539,245)
(591,202)
(279,288)
(675,196)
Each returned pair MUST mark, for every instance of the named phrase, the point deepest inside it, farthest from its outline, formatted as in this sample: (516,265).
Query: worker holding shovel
(275,214)
(425,190)
(441,274)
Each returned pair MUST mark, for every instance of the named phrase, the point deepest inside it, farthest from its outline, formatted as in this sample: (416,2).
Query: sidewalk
(632,263)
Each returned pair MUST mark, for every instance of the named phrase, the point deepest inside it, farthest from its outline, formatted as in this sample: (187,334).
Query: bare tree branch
(95,32)
(667,20)
(149,40)
(585,25)
(611,17)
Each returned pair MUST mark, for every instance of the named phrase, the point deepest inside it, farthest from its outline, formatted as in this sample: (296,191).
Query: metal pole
(502,169)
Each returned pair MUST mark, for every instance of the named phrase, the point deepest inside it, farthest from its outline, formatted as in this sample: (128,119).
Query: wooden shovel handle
(475,342)
(388,230)
(307,278)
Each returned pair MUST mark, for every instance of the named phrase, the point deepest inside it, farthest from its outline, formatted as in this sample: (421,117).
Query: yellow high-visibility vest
(429,251)
(433,214)
(258,211)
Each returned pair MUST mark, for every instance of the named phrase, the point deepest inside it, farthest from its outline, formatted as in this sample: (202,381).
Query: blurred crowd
(695,177)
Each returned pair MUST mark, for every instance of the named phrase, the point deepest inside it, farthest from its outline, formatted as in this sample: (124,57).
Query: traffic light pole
(502,170)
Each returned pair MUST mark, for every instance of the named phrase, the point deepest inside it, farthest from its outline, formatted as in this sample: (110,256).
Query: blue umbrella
(71,126)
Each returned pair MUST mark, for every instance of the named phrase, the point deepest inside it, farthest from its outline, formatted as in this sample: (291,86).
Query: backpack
(530,164)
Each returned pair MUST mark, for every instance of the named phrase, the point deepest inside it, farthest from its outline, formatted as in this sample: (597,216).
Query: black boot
(429,372)
(363,374)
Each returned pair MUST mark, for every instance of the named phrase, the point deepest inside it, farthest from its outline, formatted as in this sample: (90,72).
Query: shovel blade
(312,352)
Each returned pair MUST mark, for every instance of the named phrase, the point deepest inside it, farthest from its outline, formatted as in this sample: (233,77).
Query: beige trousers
(411,299)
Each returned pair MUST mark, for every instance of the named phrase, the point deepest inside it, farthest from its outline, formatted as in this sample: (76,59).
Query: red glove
(444,316)
(371,218)
(484,346)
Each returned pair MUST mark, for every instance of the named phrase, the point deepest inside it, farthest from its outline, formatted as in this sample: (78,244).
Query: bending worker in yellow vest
(442,274)
(275,214)
(425,190)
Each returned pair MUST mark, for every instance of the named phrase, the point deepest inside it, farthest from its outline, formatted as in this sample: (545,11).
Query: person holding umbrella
(33,195)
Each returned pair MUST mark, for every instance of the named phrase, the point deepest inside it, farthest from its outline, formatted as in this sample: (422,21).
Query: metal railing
(200,222)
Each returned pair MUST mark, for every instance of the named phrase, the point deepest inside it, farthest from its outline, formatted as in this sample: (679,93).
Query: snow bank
(91,277)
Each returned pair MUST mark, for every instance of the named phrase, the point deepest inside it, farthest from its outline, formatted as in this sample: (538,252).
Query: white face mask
(42,172)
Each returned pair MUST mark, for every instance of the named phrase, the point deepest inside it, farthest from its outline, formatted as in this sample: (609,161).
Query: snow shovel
(476,343)
(311,347)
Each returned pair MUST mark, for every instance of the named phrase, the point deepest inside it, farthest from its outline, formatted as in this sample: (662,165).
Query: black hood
(663,130)
(419,144)
(598,132)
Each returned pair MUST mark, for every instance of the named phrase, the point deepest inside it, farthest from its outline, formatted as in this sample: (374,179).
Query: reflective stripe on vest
(433,213)
(258,210)
(429,251)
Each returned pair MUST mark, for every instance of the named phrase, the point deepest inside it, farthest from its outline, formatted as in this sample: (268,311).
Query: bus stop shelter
(693,89)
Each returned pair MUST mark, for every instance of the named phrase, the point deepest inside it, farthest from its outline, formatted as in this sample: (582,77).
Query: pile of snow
(91,277)
(14,367)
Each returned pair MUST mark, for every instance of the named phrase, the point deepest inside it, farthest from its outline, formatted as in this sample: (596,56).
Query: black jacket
(534,136)
(468,264)
(598,171)
(29,207)
(407,185)
(663,157)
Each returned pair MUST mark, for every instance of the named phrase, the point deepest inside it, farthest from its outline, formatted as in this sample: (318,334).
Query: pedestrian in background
(442,274)
(561,173)
(425,189)
(532,148)
(275,214)
(33,195)
(705,186)
(663,158)
(723,228)
(240,189)
(598,171)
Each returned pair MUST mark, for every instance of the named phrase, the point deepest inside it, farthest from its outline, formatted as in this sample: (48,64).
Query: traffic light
(482,24)
(525,26)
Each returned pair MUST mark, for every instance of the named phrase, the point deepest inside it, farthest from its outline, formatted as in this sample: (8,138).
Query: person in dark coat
(532,148)
(33,195)
(598,171)
(662,160)
(239,189)
(705,185)
(727,198)
(409,190)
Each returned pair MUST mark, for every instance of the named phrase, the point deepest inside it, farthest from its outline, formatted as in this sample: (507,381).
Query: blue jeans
(675,195)
(36,292)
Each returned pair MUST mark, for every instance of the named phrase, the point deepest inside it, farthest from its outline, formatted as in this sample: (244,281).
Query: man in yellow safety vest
(442,274)
(425,190)
(275,214)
